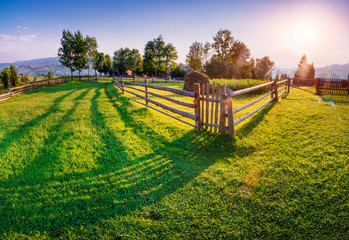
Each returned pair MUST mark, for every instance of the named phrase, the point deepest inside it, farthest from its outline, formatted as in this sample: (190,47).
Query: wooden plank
(207,103)
(231,128)
(180,92)
(146,91)
(251,113)
(247,90)
(162,112)
(222,120)
(251,103)
(276,97)
(212,104)
(210,125)
(180,112)
(216,108)
(164,97)
(203,103)
(197,106)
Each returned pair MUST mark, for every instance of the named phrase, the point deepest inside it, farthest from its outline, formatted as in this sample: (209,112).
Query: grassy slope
(80,161)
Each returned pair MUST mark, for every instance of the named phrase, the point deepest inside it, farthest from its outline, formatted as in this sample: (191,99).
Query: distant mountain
(336,71)
(42,66)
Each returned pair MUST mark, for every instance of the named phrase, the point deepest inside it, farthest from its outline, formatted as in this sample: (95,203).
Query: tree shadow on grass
(252,123)
(51,203)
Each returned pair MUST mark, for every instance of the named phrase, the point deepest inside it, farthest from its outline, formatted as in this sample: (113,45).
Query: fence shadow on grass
(51,203)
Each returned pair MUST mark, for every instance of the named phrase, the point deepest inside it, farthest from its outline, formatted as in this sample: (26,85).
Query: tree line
(225,57)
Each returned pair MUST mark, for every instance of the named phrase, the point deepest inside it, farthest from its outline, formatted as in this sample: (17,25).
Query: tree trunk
(79,75)
(71,73)
(88,72)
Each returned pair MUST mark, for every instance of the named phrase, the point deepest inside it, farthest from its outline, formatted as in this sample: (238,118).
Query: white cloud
(21,28)
(9,42)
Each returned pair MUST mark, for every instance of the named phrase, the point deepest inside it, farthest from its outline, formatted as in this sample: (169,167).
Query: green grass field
(80,161)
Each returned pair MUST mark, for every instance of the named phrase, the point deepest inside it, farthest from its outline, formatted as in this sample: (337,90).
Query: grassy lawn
(78,160)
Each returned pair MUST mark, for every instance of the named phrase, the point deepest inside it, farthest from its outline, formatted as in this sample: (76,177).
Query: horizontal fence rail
(30,88)
(322,85)
(212,102)
(120,84)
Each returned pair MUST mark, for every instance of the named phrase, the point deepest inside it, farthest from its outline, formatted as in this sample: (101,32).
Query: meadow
(80,161)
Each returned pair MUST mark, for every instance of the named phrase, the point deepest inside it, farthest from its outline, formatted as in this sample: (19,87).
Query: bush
(237,84)
(178,72)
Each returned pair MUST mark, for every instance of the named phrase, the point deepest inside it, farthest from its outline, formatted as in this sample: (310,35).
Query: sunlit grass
(79,160)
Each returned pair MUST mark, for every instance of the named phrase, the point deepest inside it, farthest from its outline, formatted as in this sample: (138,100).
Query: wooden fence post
(197,106)
(272,90)
(317,83)
(288,85)
(122,85)
(146,92)
(276,90)
(222,122)
(134,78)
(231,128)
(9,91)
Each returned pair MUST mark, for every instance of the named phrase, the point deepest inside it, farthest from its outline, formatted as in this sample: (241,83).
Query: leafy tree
(14,79)
(92,50)
(178,72)
(49,75)
(126,59)
(108,66)
(66,51)
(232,54)
(223,42)
(264,66)
(216,68)
(305,70)
(99,62)
(6,77)
(76,51)
(325,73)
(80,50)
(197,56)
(158,57)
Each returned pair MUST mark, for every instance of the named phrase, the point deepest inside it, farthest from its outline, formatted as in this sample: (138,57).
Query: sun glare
(304,33)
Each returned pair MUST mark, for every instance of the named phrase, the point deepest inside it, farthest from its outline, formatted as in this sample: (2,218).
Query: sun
(304,33)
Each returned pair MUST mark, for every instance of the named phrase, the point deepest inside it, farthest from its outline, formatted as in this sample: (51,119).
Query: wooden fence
(213,108)
(30,88)
(331,86)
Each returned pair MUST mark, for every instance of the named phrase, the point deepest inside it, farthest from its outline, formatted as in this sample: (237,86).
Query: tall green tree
(14,79)
(125,59)
(264,66)
(108,66)
(158,57)
(99,62)
(80,50)
(305,70)
(197,56)
(6,78)
(66,51)
(49,75)
(92,50)
(223,42)
(232,54)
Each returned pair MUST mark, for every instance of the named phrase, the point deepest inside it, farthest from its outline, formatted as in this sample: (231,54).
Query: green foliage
(76,51)
(98,62)
(264,66)
(49,75)
(237,84)
(197,56)
(6,78)
(126,59)
(158,56)
(108,66)
(178,72)
(14,79)
(25,79)
(305,70)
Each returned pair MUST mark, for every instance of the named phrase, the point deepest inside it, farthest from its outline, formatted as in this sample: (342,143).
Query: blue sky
(281,29)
